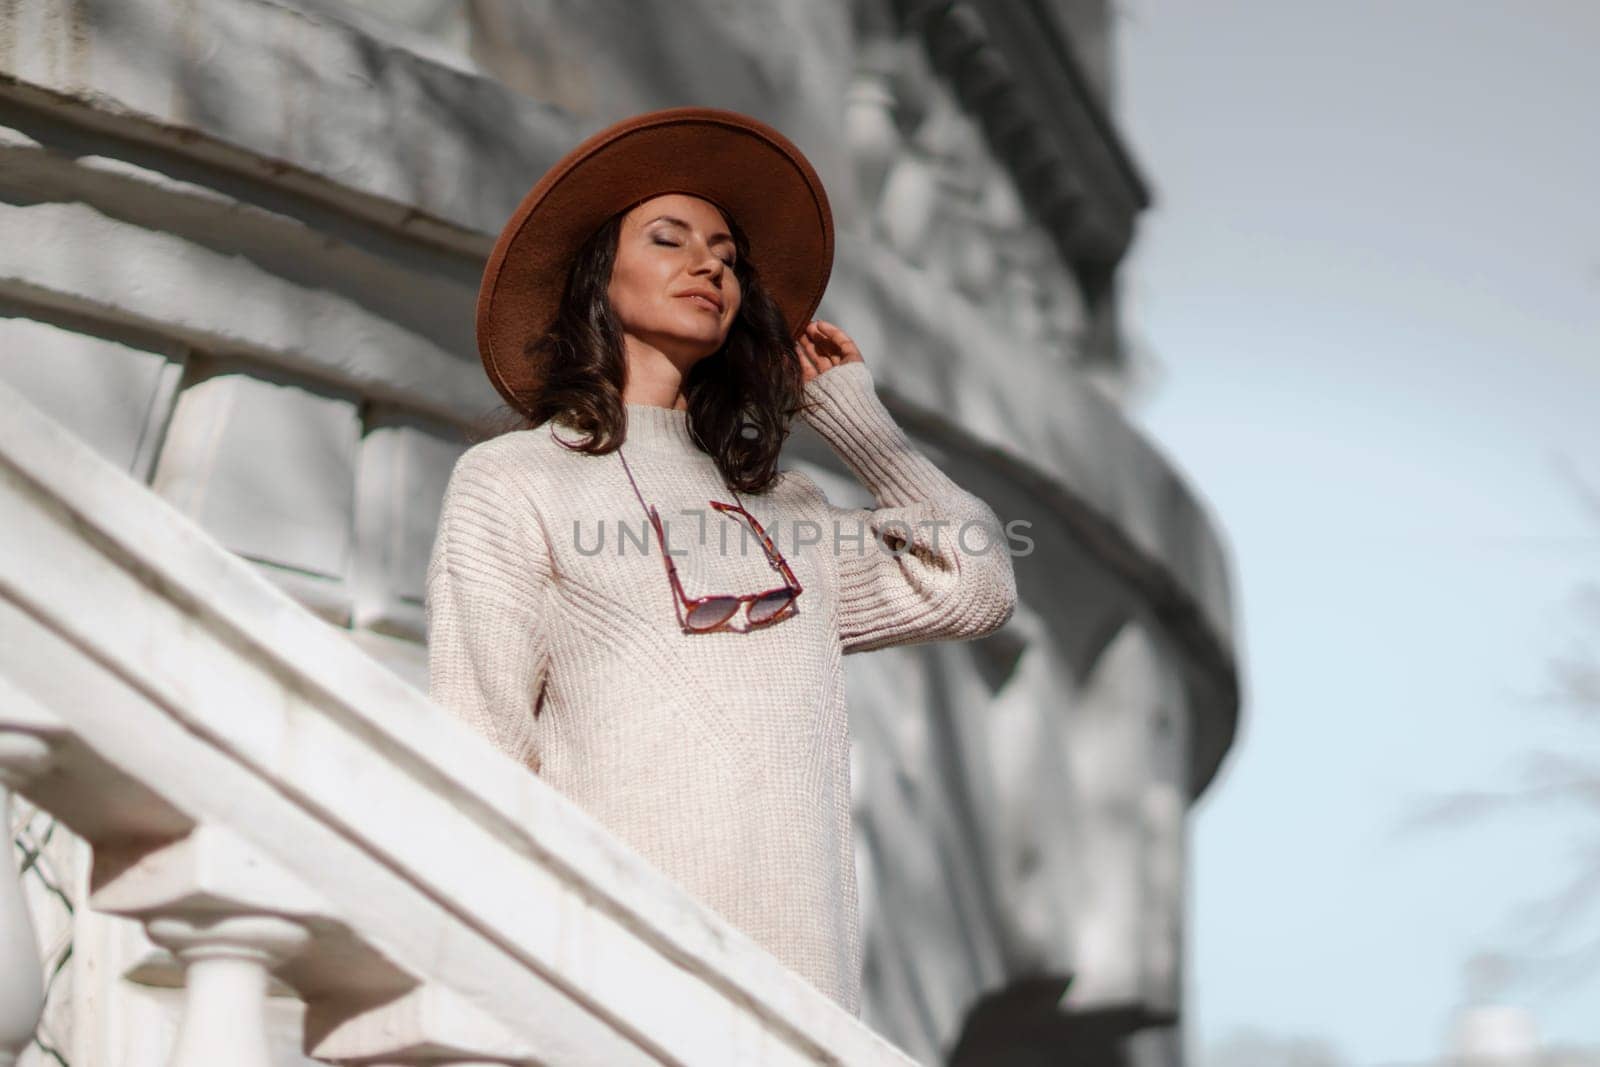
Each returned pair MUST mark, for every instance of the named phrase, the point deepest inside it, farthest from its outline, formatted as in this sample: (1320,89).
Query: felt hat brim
(748,169)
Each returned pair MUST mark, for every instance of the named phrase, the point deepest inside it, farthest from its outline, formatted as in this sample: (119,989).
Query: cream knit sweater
(722,758)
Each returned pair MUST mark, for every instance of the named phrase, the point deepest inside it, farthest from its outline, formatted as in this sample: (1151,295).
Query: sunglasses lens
(713,612)
(771,606)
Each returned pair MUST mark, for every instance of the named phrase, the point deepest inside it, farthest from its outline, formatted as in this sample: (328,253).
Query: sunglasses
(707,613)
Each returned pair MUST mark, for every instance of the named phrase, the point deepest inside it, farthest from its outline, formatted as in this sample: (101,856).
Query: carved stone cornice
(1011,66)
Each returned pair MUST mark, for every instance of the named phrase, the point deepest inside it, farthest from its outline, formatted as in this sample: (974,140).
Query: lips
(707,296)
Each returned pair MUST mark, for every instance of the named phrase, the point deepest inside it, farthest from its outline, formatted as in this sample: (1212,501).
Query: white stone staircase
(281,812)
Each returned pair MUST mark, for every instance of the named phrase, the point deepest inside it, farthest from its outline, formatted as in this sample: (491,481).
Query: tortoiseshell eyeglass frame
(687,605)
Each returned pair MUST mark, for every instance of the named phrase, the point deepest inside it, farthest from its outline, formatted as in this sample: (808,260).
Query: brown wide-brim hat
(749,170)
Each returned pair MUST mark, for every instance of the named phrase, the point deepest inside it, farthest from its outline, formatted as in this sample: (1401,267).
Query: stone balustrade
(273,805)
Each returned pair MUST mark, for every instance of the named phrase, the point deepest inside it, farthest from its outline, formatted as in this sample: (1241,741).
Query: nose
(712,264)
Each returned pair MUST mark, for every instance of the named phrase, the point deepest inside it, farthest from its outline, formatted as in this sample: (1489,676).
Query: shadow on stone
(1024,1025)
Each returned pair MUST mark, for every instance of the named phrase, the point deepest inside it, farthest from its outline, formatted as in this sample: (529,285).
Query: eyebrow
(715,238)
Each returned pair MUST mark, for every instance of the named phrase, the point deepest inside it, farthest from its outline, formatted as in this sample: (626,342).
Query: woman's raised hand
(822,346)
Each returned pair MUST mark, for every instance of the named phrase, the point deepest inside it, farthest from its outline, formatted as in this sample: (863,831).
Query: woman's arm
(487,603)
(950,576)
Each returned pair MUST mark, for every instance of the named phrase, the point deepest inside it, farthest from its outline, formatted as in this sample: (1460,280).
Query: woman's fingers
(821,339)
(812,350)
(823,345)
(832,342)
(811,364)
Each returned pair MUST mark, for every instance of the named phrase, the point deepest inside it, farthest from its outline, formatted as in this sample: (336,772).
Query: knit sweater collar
(658,429)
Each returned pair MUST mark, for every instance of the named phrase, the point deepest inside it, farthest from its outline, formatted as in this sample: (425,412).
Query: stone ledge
(312,332)
(264,88)
(44,160)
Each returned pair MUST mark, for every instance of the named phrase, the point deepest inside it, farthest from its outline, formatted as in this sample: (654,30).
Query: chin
(691,338)
(674,337)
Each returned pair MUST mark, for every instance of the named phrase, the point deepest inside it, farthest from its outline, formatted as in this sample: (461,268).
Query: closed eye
(674,244)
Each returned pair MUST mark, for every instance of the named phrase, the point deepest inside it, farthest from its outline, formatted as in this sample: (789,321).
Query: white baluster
(229,915)
(226,963)
(22,993)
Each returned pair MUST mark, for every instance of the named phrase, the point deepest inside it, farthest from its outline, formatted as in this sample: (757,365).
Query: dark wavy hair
(741,398)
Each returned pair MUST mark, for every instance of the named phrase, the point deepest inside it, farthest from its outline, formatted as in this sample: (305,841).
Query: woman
(598,606)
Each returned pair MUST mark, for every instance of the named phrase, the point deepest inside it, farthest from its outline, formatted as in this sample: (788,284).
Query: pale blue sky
(1372,277)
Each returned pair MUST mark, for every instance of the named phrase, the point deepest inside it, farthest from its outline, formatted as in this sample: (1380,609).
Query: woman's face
(672,283)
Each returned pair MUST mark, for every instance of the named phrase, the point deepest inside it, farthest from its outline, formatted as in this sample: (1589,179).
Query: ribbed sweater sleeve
(488,581)
(932,562)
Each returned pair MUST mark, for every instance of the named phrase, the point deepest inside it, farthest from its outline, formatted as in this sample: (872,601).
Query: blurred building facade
(242,241)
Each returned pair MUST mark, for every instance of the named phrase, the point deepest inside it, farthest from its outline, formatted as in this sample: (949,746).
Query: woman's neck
(654,377)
